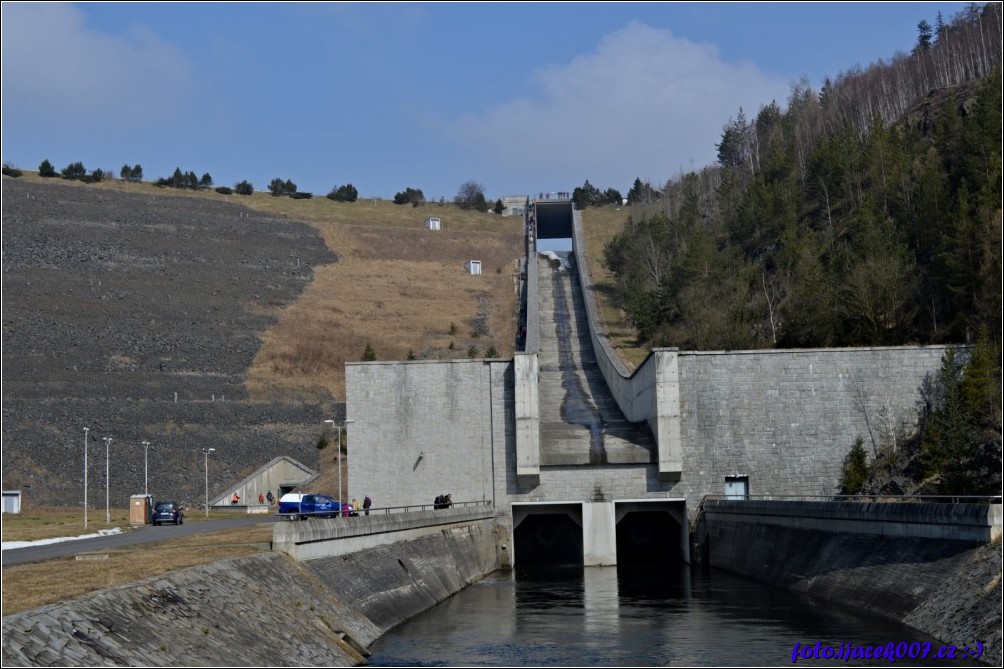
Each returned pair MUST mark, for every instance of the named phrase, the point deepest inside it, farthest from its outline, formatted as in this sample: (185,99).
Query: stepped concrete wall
(264,610)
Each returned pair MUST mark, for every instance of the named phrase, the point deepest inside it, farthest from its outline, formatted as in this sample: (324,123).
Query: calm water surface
(609,616)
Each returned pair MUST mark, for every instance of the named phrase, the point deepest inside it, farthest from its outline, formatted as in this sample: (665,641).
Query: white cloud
(55,67)
(644,104)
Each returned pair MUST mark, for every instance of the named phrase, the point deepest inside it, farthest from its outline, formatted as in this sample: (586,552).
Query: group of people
(443,501)
(235,499)
(356,506)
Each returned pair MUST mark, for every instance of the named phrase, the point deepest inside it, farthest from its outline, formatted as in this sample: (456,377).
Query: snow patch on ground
(11,545)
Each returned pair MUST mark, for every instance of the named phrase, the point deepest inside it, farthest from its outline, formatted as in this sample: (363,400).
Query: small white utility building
(473,267)
(432,223)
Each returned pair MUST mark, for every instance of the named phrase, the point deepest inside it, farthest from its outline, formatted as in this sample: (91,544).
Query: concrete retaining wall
(424,428)
(887,559)
(265,610)
(330,537)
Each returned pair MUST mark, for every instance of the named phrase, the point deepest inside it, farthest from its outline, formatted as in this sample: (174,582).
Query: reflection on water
(638,616)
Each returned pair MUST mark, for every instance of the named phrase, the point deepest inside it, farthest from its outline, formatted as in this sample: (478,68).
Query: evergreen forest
(865,214)
(868,213)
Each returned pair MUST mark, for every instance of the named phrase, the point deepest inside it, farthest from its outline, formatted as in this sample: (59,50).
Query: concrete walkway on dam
(580,422)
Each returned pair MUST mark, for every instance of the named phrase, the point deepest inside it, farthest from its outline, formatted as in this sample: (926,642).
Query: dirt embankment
(137,316)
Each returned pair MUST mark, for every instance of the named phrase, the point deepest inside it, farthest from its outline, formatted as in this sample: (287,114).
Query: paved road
(141,535)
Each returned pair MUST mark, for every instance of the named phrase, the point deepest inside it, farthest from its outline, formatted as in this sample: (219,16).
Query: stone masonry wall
(787,418)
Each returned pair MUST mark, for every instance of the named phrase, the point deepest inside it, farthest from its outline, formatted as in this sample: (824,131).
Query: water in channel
(637,616)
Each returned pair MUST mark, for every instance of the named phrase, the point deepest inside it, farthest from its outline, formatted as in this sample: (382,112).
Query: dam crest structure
(588,462)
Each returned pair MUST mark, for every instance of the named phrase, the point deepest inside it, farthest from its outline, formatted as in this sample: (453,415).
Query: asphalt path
(141,535)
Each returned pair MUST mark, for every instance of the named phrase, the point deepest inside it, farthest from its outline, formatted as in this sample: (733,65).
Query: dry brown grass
(35,523)
(29,586)
(600,225)
(397,286)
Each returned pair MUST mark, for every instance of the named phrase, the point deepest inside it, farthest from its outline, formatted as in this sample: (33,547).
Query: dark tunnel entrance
(649,537)
(548,539)
(554,219)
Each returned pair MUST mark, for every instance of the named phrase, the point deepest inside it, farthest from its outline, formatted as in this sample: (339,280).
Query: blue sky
(521,97)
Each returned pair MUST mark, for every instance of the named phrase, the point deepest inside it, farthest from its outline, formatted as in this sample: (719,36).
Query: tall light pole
(108,514)
(339,426)
(86,430)
(146,448)
(206,453)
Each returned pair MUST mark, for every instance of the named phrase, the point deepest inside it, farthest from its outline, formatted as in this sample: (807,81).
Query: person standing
(261,498)
(367,503)
(269,497)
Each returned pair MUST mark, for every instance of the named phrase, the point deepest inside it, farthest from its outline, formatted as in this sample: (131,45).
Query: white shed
(474,267)
(12,501)
(432,223)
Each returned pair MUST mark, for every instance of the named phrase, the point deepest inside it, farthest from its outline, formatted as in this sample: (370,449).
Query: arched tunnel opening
(548,539)
(649,538)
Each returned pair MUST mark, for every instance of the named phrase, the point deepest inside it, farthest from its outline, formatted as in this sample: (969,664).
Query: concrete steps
(580,422)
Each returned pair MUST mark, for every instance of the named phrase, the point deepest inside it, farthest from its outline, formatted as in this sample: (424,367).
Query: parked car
(168,512)
(297,506)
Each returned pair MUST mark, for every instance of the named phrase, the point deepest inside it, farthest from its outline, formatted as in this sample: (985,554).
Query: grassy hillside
(195,320)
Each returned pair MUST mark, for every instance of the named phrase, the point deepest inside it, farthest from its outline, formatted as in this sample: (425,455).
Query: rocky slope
(136,315)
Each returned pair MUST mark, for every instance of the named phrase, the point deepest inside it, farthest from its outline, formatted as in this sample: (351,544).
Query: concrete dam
(562,455)
(573,449)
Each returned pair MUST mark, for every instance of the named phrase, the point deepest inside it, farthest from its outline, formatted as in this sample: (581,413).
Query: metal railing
(941,499)
(384,510)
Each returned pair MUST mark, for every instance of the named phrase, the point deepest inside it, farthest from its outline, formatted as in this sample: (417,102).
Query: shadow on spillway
(576,407)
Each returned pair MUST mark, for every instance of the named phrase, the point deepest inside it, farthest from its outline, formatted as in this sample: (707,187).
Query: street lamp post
(339,426)
(86,430)
(108,514)
(146,448)
(206,453)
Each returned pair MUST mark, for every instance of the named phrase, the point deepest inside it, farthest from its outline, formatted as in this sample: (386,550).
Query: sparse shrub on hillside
(224,190)
(413,196)
(278,187)
(94,177)
(588,195)
(301,196)
(244,188)
(183,180)
(369,355)
(453,329)
(411,355)
(206,181)
(499,207)
(322,442)
(492,352)
(472,351)
(346,193)
(471,195)
(11,171)
(131,173)
(45,169)
(74,171)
